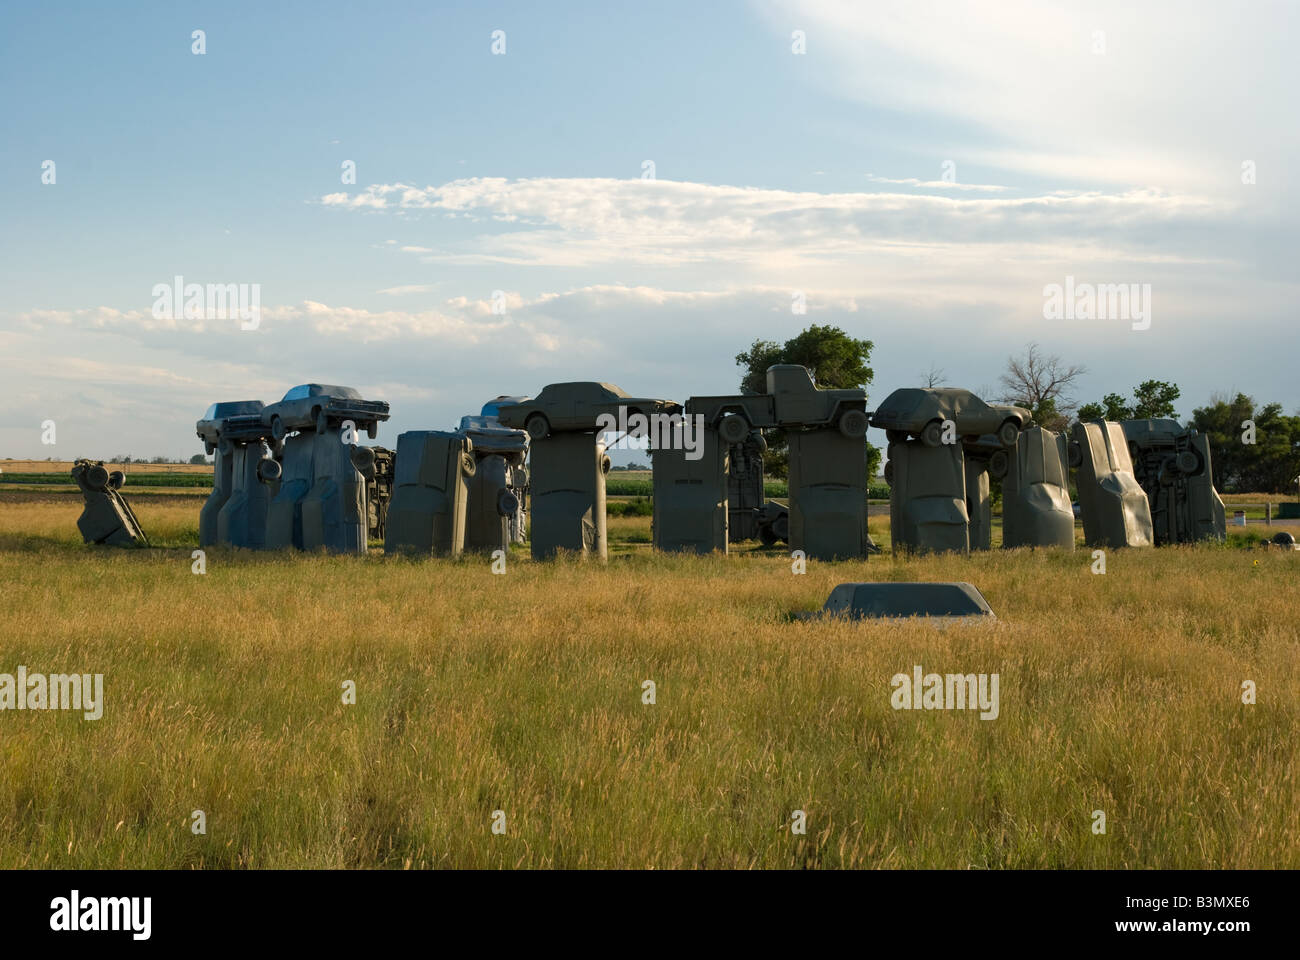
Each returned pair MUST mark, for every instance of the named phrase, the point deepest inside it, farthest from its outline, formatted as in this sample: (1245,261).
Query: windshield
(305,390)
(231,408)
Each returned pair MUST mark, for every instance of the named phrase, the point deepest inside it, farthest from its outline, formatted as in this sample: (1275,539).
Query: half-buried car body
(1114,506)
(235,436)
(496,511)
(1172,465)
(107,517)
(1036,510)
(927,498)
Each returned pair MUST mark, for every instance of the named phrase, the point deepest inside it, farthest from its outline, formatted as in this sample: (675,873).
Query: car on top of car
(921,412)
(318,406)
(575,407)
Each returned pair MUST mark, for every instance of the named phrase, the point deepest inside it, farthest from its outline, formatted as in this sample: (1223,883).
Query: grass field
(523,693)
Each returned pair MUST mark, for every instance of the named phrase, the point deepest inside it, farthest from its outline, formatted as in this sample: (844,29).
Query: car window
(232,408)
(300,392)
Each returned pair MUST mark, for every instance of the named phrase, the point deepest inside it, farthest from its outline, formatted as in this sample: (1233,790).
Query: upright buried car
(496,515)
(106,517)
(565,407)
(920,412)
(1116,512)
(1036,508)
(318,406)
(1172,465)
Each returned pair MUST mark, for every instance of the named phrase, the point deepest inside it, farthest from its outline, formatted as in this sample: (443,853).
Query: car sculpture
(919,412)
(1172,464)
(235,421)
(318,406)
(576,406)
(792,400)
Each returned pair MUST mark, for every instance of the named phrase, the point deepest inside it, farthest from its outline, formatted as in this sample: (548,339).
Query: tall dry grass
(522,693)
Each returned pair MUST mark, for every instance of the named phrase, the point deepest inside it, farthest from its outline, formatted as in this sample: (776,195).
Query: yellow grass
(522,693)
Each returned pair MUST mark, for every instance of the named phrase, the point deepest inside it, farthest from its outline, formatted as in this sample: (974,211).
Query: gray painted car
(318,406)
(490,436)
(564,407)
(941,602)
(920,412)
(793,399)
(1172,464)
(238,421)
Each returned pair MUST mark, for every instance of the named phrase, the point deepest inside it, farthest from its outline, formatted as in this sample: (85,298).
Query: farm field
(523,693)
(61,467)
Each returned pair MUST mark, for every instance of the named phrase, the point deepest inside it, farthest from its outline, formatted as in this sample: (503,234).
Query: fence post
(1268,513)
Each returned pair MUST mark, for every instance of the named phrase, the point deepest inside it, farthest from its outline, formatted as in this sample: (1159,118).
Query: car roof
(232,408)
(585,386)
(915,394)
(493,406)
(305,390)
(488,424)
(1155,427)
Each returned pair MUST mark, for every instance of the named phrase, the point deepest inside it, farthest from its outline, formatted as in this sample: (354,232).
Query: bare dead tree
(1037,378)
(935,378)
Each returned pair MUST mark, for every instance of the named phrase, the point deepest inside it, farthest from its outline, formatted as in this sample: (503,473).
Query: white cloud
(592,222)
(408,288)
(1184,90)
(123,385)
(938,184)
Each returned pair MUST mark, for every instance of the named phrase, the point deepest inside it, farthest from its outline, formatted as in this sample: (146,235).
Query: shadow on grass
(35,543)
(39,543)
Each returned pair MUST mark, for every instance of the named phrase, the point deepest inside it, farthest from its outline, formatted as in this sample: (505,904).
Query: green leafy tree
(1154,399)
(836,361)
(1269,465)
(1047,416)
(1112,407)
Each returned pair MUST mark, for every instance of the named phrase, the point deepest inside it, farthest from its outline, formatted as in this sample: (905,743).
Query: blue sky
(775,172)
